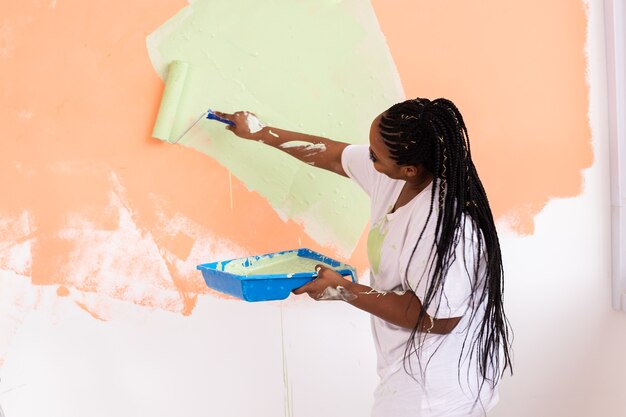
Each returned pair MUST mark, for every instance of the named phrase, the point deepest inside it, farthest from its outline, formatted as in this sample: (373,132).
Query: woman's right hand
(246,124)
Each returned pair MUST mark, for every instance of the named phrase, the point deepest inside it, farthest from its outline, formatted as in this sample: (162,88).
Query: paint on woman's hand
(253,123)
(338,293)
(306,146)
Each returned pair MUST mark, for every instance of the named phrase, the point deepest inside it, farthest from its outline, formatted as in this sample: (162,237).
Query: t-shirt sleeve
(356,163)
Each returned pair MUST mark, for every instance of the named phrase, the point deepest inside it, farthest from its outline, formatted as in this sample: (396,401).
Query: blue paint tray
(260,278)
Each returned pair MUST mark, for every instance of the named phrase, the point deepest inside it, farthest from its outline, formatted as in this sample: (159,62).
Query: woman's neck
(419,182)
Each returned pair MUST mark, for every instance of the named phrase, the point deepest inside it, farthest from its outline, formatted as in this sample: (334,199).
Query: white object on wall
(615,32)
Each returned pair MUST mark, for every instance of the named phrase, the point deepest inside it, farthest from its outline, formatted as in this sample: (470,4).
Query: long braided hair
(433,134)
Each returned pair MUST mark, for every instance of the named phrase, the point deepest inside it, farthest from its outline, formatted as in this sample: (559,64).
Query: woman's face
(381,157)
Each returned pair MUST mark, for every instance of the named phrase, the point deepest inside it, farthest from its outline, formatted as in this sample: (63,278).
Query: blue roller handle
(212,116)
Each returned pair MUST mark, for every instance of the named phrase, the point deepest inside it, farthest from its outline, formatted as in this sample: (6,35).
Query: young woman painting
(435,295)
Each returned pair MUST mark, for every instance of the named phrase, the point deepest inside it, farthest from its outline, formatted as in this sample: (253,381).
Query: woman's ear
(410,171)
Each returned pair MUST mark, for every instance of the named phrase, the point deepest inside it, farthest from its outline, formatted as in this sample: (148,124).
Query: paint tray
(268,277)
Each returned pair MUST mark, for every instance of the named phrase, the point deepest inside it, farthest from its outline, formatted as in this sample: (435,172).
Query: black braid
(433,134)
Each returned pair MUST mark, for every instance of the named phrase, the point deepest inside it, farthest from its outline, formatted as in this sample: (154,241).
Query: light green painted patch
(315,66)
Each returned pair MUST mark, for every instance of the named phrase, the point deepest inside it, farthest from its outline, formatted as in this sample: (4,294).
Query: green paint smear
(320,67)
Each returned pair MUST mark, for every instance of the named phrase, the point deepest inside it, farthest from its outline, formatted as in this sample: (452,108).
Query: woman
(441,335)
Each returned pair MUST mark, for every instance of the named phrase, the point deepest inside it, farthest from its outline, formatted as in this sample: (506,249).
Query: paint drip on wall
(293,75)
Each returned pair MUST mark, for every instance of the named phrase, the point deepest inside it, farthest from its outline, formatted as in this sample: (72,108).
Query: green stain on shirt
(315,66)
(375,241)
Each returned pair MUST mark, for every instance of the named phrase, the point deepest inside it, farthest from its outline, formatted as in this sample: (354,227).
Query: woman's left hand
(326,278)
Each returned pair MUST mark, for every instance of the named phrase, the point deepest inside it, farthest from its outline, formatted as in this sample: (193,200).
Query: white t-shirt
(443,389)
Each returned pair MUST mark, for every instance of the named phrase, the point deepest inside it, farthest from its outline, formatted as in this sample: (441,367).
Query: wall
(102,311)
(569,342)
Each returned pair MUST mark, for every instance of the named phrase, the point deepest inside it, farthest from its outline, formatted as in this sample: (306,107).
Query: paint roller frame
(209,115)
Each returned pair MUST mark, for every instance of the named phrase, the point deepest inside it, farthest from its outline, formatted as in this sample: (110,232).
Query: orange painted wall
(79,97)
(516,69)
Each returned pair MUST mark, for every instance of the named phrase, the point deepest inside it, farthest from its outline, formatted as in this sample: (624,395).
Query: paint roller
(173,98)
